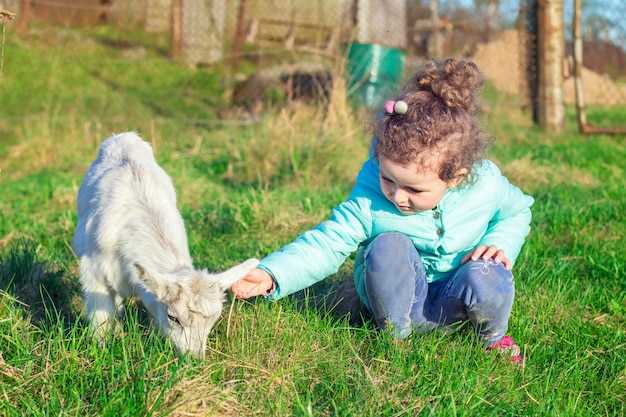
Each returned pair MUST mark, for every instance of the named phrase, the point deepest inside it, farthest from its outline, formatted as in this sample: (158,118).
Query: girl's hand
(488,252)
(255,282)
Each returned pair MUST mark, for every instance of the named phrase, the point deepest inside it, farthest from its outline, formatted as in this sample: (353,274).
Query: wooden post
(550,56)
(177,28)
(583,126)
(434,41)
(23,16)
(5,17)
(492,10)
(578,65)
(105,10)
(529,60)
(240,33)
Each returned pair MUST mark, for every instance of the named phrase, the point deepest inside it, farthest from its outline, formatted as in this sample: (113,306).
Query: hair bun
(455,82)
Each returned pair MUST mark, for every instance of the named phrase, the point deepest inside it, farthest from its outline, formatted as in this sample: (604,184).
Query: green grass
(245,191)
(601,116)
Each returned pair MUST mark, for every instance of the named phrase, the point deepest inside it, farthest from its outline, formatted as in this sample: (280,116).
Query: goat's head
(191,301)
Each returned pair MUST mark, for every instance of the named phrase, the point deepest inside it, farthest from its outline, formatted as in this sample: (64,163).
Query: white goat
(131,240)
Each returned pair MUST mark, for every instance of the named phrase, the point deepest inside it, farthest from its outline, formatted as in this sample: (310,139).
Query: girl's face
(409,188)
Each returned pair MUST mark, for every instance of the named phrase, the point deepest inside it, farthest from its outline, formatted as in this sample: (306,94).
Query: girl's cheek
(387,190)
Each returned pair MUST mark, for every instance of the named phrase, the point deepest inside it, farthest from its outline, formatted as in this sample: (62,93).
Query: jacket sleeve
(319,252)
(510,224)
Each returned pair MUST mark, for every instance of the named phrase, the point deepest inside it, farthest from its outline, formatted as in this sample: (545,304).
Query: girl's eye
(387,180)
(413,191)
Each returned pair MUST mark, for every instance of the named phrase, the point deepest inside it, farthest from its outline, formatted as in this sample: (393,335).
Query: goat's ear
(159,285)
(227,278)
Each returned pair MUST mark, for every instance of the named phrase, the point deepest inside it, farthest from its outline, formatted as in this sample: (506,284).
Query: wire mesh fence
(501,36)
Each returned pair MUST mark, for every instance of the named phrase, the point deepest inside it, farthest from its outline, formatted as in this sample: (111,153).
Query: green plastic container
(374,72)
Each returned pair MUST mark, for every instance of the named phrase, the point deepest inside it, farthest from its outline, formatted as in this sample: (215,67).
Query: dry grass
(532,176)
(6,16)
(289,219)
(200,397)
(302,142)
(44,143)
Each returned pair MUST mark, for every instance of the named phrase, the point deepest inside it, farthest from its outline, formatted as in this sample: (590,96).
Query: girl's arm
(511,222)
(319,252)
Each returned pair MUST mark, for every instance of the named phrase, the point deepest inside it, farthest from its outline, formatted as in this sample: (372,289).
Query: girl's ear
(458,177)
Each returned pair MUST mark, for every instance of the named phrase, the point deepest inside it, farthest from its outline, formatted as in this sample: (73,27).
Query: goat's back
(127,204)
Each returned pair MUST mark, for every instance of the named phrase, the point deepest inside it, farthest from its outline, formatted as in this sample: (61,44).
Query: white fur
(131,241)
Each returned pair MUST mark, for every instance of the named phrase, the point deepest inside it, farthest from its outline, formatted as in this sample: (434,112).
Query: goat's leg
(100,309)
(99,301)
(118,301)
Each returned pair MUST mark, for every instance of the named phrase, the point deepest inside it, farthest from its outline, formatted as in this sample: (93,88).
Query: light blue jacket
(487,210)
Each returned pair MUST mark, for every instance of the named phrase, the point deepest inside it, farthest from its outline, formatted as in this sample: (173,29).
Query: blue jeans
(398,294)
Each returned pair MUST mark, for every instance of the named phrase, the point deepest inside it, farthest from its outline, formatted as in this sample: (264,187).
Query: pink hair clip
(396,107)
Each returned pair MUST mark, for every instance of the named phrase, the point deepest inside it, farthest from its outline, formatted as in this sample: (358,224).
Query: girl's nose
(400,197)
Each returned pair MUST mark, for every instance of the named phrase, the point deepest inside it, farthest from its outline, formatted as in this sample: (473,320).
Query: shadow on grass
(156,108)
(44,291)
(336,298)
(189,98)
(118,41)
(48,293)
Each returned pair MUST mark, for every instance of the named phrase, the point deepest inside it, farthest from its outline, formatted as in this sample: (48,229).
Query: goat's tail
(127,145)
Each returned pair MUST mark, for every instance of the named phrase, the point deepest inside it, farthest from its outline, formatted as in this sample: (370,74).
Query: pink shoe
(507,344)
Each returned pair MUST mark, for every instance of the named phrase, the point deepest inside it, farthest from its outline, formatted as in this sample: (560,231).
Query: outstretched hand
(488,252)
(255,282)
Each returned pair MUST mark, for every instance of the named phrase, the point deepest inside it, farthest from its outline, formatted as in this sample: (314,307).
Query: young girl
(436,226)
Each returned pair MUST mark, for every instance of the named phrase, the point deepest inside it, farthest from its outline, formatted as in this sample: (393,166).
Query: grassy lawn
(244,191)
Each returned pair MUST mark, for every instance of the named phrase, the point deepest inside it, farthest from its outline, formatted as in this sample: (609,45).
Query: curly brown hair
(440,129)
